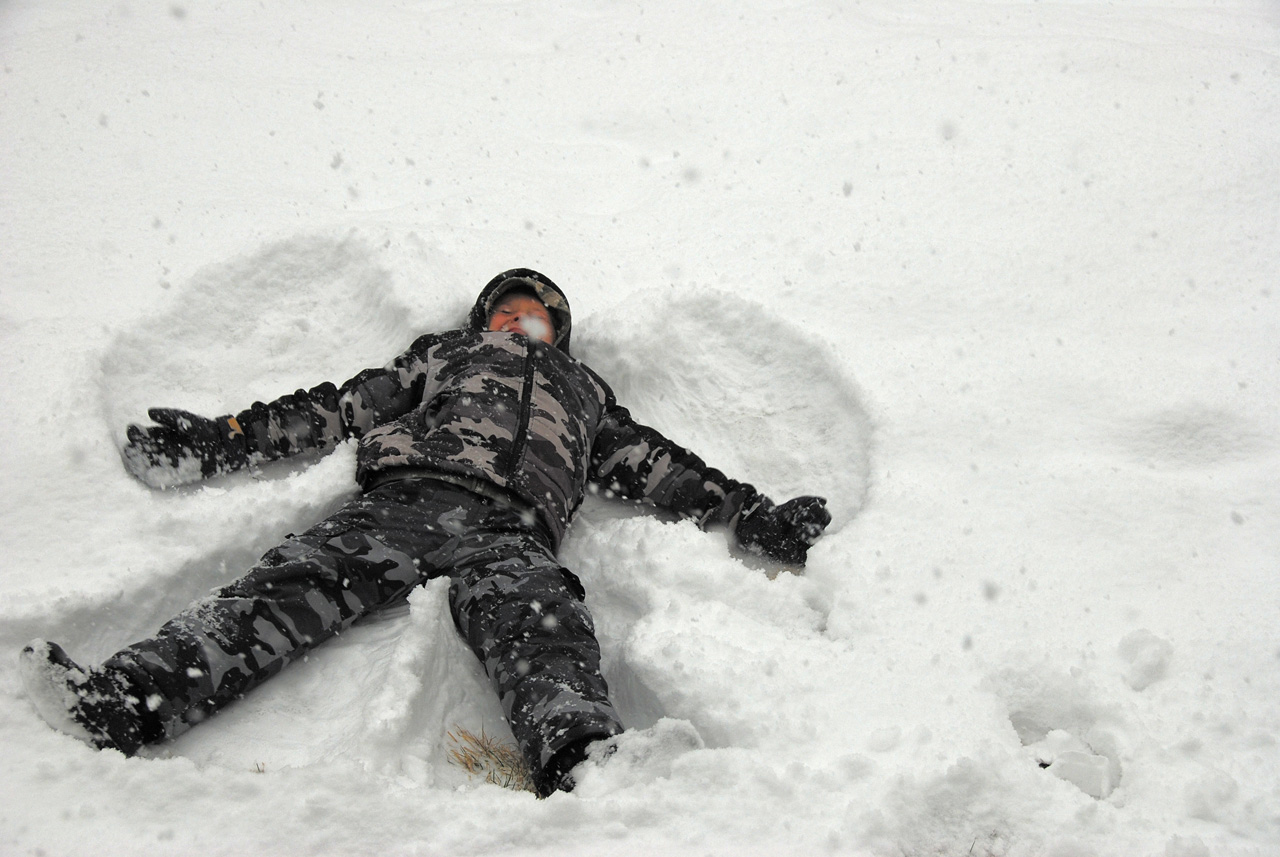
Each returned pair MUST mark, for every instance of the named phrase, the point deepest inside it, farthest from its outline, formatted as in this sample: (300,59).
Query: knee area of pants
(552,619)
(564,672)
(564,618)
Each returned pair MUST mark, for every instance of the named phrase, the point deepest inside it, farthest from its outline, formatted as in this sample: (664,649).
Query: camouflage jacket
(498,407)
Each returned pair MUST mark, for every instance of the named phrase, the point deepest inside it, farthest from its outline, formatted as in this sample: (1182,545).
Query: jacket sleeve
(320,418)
(633,461)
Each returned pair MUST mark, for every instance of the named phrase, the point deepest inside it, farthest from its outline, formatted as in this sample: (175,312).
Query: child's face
(524,314)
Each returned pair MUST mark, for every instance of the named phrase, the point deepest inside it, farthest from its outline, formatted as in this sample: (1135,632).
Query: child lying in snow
(476,446)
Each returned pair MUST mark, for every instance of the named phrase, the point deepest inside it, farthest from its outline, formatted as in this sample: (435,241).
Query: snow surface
(999,278)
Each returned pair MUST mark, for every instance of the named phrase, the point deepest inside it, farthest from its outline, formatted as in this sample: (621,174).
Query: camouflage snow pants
(518,609)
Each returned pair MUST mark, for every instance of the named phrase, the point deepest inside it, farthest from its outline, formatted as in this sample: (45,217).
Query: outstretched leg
(367,555)
(522,614)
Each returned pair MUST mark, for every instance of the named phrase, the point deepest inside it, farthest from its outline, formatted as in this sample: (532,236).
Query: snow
(997,278)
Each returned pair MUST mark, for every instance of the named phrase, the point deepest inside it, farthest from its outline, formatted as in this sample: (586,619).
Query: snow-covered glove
(184,447)
(783,533)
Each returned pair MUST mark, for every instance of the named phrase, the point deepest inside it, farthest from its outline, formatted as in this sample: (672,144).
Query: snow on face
(535,328)
(523,313)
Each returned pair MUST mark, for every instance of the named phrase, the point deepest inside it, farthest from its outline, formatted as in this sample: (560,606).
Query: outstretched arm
(184,447)
(634,461)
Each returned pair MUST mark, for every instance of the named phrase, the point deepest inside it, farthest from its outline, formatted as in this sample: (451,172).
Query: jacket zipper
(522,426)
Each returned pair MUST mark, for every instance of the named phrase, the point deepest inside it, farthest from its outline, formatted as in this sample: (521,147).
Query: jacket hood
(529,280)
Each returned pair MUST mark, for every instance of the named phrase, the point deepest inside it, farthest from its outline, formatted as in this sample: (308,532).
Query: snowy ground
(999,278)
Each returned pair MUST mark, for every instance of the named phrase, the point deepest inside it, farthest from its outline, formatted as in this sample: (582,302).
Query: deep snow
(996,278)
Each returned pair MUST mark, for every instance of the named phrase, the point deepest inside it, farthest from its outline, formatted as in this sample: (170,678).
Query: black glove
(783,533)
(184,447)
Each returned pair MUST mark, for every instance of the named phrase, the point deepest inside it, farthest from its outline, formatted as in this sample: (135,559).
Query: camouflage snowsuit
(475,449)
(517,608)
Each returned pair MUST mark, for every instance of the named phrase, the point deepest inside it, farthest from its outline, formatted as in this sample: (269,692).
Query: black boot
(96,706)
(557,776)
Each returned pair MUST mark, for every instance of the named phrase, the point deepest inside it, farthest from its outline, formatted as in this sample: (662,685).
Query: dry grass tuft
(480,755)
